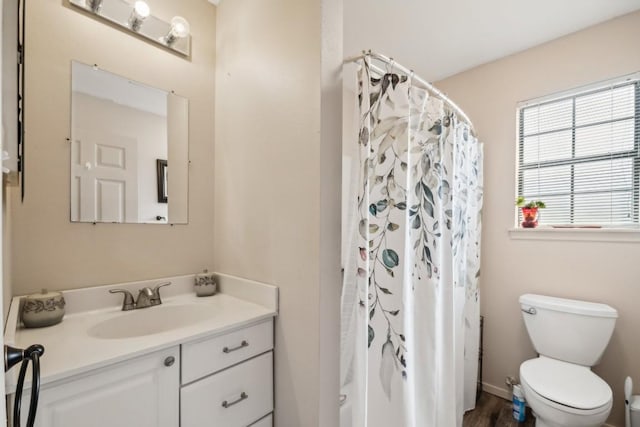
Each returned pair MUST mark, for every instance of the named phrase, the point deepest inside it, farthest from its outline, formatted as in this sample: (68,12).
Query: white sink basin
(151,320)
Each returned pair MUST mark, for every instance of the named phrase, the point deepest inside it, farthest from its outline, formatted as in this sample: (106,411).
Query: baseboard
(506,394)
(497,391)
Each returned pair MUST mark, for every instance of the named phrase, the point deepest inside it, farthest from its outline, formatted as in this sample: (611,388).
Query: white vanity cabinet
(224,380)
(141,392)
(228,379)
(190,362)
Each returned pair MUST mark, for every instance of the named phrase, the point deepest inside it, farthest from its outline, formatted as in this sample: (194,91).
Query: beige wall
(276,214)
(331,60)
(49,251)
(597,271)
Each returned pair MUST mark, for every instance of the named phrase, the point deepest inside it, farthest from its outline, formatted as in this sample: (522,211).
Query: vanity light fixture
(140,12)
(135,16)
(179,29)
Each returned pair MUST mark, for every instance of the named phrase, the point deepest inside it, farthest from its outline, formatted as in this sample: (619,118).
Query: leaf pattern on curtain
(379,214)
(420,193)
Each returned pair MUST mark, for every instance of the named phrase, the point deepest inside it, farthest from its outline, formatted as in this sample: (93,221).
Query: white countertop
(70,350)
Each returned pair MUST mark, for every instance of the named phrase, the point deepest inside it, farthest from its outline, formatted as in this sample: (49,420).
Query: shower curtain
(410,295)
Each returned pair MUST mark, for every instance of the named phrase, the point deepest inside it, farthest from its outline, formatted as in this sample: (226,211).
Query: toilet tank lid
(568,305)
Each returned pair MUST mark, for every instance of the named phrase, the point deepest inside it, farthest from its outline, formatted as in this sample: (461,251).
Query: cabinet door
(141,392)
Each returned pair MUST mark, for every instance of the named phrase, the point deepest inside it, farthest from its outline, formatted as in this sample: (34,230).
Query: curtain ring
(390,66)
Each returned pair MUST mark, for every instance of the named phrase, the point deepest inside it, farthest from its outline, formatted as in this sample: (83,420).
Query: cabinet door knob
(169,361)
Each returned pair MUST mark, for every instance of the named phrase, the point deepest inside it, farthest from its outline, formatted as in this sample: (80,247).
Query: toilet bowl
(562,394)
(570,336)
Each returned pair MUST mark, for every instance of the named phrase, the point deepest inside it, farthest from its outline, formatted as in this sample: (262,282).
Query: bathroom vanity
(188,362)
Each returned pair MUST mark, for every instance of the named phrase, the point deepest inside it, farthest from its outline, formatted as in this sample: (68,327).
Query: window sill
(576,234)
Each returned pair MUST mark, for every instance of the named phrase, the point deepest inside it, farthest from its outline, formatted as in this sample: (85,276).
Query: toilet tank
(569,330)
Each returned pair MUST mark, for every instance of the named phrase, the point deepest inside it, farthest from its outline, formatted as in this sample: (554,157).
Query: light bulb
(179,27)
(94,5)
(141,9)
(140,12)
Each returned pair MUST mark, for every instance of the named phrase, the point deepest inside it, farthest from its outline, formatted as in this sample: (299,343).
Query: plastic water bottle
(519,407)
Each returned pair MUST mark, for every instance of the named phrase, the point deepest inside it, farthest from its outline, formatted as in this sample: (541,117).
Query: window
(580,153)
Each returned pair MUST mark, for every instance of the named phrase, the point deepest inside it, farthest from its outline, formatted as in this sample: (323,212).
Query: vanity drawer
(235,397)
(210,355)
(265,422)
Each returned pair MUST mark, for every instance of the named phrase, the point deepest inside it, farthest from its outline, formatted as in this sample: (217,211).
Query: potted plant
(530,211)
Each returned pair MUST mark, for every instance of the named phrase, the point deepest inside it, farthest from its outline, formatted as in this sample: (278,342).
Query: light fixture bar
(137,18)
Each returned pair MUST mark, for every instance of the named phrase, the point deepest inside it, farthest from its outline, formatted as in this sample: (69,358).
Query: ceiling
(111,87)
(439,38)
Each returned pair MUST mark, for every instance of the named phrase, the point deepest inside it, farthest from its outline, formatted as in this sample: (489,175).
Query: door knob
(169,361)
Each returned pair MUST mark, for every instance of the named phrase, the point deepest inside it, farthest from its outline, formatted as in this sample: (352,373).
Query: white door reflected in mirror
(120,131)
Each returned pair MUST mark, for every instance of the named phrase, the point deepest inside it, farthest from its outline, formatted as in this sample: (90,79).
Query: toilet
(570,337)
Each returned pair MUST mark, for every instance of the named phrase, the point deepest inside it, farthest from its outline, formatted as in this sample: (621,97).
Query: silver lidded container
(205,284)
(43,309)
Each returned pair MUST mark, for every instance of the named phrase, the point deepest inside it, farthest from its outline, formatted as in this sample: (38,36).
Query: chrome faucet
(147,297)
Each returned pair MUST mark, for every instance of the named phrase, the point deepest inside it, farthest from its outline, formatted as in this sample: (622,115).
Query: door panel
(110,157)
(110,199)
(104,182)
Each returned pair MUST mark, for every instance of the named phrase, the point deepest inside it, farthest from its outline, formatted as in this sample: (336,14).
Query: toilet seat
(573,387)
(534,400)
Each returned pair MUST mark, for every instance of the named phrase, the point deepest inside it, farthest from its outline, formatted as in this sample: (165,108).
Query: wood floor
(492,411)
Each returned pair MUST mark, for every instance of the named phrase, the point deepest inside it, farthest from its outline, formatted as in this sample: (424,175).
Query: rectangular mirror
(129,150)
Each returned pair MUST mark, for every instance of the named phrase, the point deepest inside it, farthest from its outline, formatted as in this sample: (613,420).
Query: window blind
(580,154)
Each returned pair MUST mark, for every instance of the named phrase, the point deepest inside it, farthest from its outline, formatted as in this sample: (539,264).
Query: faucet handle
(156,293)
(127,303)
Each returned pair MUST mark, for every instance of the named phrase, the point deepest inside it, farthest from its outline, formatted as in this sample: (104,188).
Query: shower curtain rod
(426,84)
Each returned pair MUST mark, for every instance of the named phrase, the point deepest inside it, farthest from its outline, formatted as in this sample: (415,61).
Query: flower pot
(530,216)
